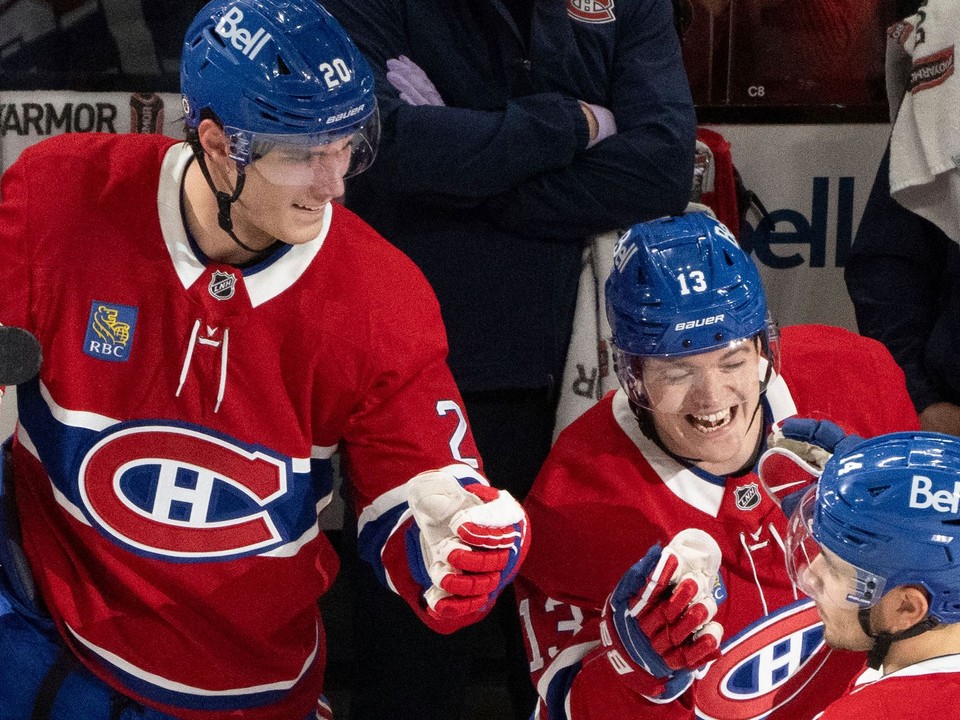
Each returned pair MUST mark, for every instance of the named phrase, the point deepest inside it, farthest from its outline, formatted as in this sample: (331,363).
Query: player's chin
(298,232)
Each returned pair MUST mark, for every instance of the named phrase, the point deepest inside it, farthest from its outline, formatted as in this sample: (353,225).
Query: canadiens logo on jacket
(591,11)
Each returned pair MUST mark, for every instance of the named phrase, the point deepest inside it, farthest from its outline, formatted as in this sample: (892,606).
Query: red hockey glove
(657,624)
(467,540)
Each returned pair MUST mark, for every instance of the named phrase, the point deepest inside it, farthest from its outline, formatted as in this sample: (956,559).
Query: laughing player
(674,451)
(214,328)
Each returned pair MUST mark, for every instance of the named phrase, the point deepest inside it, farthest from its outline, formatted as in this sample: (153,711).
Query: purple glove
(606,124)
(412,82)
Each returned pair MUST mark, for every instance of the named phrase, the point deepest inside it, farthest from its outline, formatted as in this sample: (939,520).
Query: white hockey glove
(797,452)
(466,542)
(657,625)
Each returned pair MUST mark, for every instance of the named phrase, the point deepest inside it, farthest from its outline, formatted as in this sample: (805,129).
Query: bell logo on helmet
(944,501)
(624,251)
(721,230)
(229,29)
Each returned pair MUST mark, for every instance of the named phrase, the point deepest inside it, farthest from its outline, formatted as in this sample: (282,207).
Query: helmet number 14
(697,282)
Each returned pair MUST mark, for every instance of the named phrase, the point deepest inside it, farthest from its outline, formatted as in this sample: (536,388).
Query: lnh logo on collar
(110,331)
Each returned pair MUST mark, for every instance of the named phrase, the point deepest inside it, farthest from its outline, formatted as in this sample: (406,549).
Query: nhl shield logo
(591,11)
(222,285)
(747,496)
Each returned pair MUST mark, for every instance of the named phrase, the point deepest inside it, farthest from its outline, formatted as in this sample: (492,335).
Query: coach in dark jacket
(524,127)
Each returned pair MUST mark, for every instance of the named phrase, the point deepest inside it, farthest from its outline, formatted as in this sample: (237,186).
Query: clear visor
(300,160)
(821,574)
(734,374)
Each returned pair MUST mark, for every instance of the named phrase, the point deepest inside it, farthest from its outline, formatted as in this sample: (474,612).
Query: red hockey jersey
(607,494)
(174,453)
(927,690)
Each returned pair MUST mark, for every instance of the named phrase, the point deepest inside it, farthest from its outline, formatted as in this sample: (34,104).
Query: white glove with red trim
(797,452)
(467,540)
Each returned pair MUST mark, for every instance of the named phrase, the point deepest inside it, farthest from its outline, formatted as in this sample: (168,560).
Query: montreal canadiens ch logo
(764,666)
(177,492)
(591,11)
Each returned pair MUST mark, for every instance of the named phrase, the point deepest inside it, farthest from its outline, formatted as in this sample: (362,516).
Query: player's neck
(200,213)
(942,640)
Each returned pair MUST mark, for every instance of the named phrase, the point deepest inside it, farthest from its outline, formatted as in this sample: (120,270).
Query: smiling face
(706,407)
(287,190)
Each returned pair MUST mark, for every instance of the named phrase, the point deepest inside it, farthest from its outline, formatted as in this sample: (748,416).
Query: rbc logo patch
(110,331)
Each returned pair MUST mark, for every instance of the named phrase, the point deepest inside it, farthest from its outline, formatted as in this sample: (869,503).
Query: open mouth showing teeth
(711,422)
(307,207)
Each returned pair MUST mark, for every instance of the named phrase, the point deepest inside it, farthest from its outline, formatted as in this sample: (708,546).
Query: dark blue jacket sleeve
(455,150)
(900,275)
(522,162)
(643,171)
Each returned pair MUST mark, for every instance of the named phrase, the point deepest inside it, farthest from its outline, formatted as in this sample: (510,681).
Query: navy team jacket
(494,195)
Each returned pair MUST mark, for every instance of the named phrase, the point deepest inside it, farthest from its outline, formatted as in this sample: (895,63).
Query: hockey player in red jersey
(875,545)
(213,330)
(705,376)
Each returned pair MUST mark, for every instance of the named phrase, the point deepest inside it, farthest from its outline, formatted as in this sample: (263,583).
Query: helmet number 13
(693,281)
(335,72)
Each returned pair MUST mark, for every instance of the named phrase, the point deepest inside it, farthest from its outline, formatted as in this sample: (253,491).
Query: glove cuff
(632,674)
(606,125)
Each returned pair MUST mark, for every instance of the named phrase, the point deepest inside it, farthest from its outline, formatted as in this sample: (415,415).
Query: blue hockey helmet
(889,507)
(278,73)
(681,285)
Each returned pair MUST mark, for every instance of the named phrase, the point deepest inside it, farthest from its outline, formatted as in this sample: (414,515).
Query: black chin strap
(883,640)
(225,200)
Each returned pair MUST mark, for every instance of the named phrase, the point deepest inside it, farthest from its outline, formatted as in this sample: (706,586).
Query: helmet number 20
(696,283)
(335,73)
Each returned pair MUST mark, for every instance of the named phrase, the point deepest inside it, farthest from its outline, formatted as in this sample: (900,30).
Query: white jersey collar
(263,281)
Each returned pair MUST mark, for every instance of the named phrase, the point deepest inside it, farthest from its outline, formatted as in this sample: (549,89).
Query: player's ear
(213,140)
(903,607)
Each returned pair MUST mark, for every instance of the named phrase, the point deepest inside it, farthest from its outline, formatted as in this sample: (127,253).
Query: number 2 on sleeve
(445,406)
